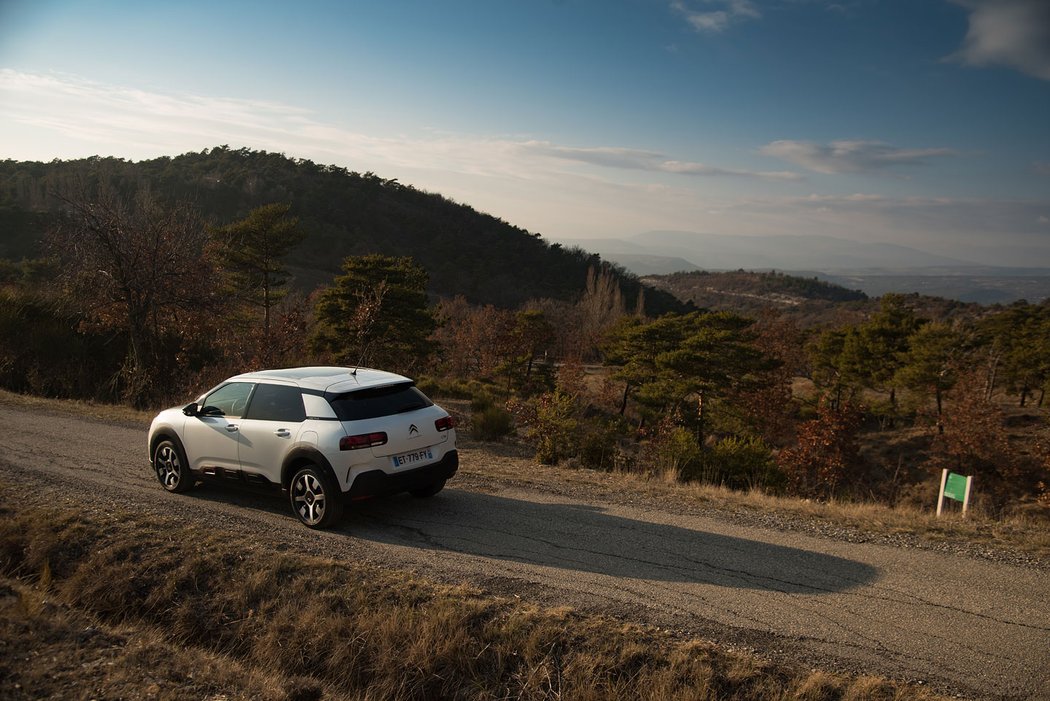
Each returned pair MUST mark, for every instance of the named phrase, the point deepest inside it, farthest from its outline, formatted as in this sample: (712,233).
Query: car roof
(326,379)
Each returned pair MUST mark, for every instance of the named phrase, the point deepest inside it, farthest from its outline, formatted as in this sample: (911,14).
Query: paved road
(977,628)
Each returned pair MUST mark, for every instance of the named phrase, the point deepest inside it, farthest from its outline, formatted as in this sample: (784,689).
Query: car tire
(315,498)
(171,467)
(428,491)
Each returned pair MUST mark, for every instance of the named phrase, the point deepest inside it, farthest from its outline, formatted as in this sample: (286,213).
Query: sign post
(956,487)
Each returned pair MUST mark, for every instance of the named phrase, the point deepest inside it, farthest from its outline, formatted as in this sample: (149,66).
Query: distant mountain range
(875,268)
(788,252)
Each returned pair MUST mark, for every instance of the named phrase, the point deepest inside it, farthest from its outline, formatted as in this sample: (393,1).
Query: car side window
(277,403)
(229,400)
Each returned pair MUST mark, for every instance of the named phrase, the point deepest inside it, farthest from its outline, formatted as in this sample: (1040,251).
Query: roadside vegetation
(512,462)
(194,614)
(145,300)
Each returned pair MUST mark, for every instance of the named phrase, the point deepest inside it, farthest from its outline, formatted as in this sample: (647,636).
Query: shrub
(741,462)
(551,424)
(826,448)
(600,443)
(451,388)
(672,451)
(491,423)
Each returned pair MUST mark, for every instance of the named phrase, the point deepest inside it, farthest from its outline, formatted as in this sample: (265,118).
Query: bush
(673,451)
(491,423)
(741,463)
(600,443)
(824,453)
(42,351)
(451,388)
(551,424)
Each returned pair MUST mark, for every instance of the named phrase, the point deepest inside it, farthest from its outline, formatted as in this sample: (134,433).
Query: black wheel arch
(166,435)
(300,457)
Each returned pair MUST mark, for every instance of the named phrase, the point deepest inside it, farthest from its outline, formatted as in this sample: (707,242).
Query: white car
(323,434)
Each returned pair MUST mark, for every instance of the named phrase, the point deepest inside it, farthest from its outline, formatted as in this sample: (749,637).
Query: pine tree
(376,314)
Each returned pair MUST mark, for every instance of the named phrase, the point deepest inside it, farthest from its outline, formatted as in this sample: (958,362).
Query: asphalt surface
(976,628)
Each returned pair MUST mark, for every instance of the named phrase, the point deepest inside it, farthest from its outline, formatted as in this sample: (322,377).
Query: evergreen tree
(929,364)
(867,355)
(252,253)
(1020,339)
(882,342)
(680,359)
(376,314)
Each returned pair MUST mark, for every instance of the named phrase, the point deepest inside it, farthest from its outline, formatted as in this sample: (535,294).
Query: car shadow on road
(589,539)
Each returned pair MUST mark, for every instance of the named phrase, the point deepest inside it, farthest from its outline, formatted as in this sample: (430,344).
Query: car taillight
(362,440)
(445,424)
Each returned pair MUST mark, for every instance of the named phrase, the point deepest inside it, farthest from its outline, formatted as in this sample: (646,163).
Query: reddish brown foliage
(970,435)
(476,340)
(826,449)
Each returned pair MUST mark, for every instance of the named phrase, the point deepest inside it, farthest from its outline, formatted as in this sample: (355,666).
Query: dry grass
(281,625)
(50,650)
(116,413)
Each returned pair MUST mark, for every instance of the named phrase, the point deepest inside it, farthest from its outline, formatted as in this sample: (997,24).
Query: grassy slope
(189,614)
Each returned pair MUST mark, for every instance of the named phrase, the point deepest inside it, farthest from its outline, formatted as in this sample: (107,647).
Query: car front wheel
(172,471)
(315,498)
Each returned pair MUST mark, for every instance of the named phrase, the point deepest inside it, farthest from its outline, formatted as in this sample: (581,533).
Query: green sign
(955,487)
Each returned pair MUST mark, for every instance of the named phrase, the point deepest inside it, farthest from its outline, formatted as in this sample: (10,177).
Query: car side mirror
(190,409)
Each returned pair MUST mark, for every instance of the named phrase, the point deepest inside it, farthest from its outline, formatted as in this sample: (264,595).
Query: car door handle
(282,433)
(231,427)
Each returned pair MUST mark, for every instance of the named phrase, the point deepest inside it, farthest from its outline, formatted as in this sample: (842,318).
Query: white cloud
(140,124)
(714,16)
(601,156)
(839,199)
(1012,33)
(652,161)
(849,156)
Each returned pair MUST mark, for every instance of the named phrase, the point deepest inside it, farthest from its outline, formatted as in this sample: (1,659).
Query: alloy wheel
(169,467)
(309,498)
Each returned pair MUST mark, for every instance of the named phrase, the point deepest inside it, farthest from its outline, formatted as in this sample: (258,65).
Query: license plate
(417,457)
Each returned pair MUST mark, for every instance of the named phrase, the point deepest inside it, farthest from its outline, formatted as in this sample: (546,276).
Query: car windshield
(378,401)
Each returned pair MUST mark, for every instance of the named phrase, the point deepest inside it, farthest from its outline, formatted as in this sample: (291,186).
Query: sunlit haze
(925,124)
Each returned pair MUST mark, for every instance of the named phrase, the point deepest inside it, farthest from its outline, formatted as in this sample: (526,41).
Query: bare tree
(137,268)
(599,309)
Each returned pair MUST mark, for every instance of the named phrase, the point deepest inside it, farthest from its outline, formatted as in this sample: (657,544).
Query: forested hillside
(807,301)
(343,213)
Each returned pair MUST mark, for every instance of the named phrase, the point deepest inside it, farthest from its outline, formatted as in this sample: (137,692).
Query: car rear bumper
(376,483)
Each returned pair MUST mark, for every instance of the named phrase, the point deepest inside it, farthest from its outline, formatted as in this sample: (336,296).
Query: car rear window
(378,401)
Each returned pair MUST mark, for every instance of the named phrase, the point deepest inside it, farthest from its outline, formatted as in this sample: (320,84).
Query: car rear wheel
(429,490)
(173,473)
(315,498)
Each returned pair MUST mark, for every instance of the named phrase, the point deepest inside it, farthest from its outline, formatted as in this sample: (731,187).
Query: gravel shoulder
(967,620)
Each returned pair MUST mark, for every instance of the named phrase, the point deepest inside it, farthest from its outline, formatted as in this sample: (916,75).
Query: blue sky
(918,122)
